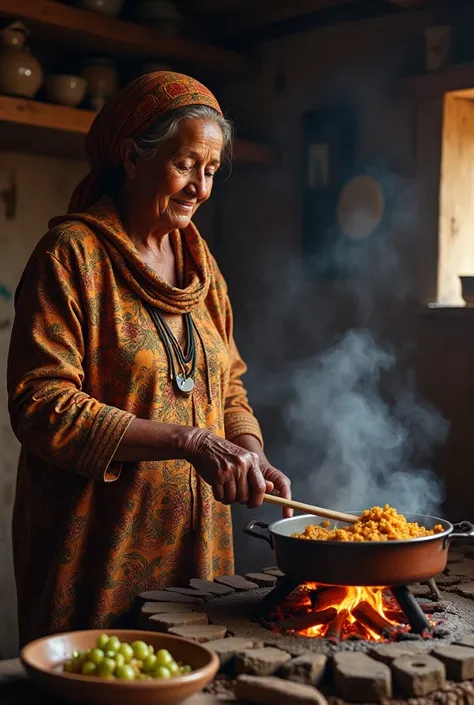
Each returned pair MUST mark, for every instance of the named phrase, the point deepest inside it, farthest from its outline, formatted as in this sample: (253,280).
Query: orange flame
(354,596)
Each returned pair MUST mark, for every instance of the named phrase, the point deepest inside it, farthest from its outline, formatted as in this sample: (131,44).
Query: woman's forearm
(148,440)
(249,442)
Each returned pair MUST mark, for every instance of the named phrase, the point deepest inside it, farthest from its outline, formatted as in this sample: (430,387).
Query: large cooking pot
(370,563)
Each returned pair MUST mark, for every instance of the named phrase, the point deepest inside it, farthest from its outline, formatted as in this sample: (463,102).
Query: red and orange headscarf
(129,114)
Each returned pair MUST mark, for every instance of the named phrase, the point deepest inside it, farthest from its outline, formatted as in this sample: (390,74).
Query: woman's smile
(185,205)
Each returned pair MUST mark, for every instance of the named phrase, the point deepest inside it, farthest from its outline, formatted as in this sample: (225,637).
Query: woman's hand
(280,482)
(276,480)
(233,472)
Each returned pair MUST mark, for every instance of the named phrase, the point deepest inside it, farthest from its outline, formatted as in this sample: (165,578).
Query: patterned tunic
(85,359)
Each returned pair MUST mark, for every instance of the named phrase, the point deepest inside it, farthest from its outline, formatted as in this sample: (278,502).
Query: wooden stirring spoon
(310,509)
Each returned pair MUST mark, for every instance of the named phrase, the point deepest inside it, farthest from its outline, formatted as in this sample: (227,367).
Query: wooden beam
(261,14)
(86,31)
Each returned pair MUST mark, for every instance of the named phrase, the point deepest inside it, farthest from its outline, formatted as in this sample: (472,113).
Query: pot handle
(250,531)
(464,530)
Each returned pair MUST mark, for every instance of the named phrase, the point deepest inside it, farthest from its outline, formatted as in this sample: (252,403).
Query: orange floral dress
(85,359)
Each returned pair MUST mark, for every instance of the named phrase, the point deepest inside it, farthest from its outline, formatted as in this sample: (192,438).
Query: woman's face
(167,189)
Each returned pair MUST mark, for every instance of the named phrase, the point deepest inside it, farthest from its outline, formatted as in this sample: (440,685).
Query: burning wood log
(307,620)
(336,627)
(371,619)
(396,616)
(325,597)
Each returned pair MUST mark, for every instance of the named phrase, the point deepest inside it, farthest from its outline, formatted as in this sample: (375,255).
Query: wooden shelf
(74,28)
(42,128)
(435,85)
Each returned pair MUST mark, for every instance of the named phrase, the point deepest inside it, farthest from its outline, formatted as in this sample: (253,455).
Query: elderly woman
(125,384)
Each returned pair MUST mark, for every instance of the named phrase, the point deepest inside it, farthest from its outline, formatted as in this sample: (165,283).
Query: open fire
(340,612)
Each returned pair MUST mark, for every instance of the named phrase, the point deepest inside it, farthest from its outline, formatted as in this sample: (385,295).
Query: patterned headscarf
(129,114)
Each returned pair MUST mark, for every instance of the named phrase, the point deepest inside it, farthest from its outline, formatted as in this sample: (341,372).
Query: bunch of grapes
(112,659)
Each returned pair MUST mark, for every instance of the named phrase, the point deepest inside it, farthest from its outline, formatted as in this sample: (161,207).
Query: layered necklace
(182,373)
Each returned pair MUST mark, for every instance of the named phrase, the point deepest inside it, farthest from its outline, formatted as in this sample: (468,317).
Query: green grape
(112,644)
(125,673)
(96,656)
(102,641)
(76,665)
(149,664)
(89,669)
(174,669)
(119,659)
(126,651)
(140,650)
(163,657)
(106,667)
(162,672)
(112,659)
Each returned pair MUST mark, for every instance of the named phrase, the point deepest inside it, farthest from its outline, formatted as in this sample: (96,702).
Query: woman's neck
(145,233)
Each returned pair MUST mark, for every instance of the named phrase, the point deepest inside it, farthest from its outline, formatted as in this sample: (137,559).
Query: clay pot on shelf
(467,290)
(65,89)
(20,73)
(102,81)
(113,8)
(160,14)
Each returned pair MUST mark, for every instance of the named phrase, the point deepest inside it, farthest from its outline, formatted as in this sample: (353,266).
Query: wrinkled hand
(280,482)
(234,473)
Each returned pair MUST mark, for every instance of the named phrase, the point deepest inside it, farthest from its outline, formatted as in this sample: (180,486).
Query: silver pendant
(184,384)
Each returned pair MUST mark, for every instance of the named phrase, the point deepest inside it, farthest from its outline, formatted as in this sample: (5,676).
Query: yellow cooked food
(375,524)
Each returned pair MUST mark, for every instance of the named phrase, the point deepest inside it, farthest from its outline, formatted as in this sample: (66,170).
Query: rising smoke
(361,435)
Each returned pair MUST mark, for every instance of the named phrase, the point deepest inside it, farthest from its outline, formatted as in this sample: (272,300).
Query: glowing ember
(340,612)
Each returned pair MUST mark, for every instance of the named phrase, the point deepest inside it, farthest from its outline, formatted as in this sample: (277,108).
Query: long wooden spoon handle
(310,509)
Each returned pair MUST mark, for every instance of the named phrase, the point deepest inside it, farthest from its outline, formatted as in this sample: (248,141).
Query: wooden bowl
(44,658)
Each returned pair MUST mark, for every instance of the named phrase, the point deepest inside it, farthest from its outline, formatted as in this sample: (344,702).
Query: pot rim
(272,529)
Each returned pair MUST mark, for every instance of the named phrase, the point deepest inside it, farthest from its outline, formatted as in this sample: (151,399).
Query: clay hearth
(264,657)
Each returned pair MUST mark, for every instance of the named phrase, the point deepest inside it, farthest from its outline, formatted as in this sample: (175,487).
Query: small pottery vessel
(467,289)
(65,90)
(20,73)
(102,81)
(113,8)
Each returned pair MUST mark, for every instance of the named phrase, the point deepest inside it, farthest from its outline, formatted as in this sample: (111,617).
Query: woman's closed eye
(184,166)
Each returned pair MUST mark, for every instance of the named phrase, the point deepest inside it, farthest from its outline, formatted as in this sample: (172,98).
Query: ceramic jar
(65,89)
(20,73)
(102,81)
(113,8)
